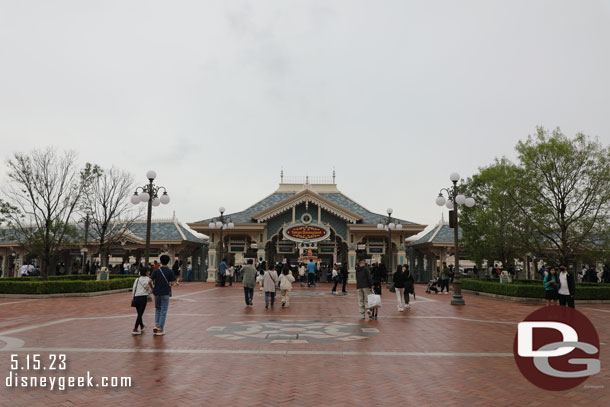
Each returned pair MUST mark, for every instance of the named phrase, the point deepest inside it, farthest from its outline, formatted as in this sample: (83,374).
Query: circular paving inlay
(291,331)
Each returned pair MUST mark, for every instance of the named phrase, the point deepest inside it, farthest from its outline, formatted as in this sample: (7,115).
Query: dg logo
(557,348)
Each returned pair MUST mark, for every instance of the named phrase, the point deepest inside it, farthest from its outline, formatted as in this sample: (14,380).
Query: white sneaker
(400,309)
(362,316)
(408,306)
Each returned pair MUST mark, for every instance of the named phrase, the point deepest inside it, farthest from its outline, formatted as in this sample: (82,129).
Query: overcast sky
(219,96)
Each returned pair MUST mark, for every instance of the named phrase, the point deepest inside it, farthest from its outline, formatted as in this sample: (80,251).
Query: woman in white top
(141,290)
(286,280)
(270,285)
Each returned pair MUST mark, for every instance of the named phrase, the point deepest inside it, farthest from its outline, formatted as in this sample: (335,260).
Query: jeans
(312,279)
(230,281)
(140,307)
(269,294)
(334,290)
(445,284)
(161,305)
(344,284)
(248,294)
(189,275)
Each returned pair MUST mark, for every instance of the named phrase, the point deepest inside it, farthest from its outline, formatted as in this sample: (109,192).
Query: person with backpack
(270,281)
(286,280)
(141,290)
(161,279)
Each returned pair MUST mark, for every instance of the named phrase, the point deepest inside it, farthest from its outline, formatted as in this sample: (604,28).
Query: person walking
(377,277)
(344,277)
(286,280)
(399,285)
(445,276)
(249,281)
(222,271)
(230,274)
(302,277)
(311,273)
(335,277)
(141,290)
(270,280)
(162,279)
(551,285)
(363,286)
(176,269)
(567,288)
(409,284)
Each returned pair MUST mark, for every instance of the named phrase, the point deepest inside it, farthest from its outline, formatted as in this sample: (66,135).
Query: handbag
(133,297)
(374,300)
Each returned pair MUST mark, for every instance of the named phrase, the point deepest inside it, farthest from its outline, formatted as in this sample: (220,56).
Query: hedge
(70,277)
(586,291)
(57,287)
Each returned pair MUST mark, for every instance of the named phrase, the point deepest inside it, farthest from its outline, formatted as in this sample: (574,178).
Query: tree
(563,192)
(109,209)
(43,192)
(492,229)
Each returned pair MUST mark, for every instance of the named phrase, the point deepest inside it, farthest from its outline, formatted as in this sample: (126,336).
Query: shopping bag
(374,301)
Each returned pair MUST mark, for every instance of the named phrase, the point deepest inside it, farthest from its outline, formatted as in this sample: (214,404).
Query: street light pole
(455,199)
(150,195)
(221,224)
(389,225)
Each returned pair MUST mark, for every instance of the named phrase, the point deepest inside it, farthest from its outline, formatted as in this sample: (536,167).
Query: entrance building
(305,220)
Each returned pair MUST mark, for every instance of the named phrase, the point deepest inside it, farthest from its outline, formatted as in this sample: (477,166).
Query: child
(286,280)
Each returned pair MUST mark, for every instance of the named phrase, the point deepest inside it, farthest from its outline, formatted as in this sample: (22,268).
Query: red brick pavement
(192,367)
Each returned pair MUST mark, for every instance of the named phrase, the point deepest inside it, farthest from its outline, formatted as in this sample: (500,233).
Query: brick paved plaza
(217,352)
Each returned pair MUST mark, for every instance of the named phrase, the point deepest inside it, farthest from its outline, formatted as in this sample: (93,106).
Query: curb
(528,300)
(64,295)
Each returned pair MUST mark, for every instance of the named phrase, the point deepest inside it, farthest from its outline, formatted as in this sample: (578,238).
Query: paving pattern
(217,352)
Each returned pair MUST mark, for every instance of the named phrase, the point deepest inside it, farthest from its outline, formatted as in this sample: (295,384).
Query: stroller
(432,286)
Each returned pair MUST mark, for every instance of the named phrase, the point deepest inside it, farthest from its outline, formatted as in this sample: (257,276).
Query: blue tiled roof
(444,236)
(341,200)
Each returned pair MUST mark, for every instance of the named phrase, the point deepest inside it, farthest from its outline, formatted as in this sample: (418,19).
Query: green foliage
(493,229)
(563,192)
(57,287)
(535,289)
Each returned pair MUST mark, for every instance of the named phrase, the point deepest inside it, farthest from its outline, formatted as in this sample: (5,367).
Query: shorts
(552,295)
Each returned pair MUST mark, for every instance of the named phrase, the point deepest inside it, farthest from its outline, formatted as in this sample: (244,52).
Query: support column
(351,261)
(212,264)
(5,255)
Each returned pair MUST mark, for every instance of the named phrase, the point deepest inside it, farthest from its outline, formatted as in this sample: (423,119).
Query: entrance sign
(306,233)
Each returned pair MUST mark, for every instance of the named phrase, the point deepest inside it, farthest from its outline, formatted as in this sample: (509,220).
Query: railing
(307,179)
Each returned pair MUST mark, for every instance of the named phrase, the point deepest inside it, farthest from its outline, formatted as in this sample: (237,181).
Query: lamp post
(150,195)
(84,250)
(221,223)
(389,225)
(455,199)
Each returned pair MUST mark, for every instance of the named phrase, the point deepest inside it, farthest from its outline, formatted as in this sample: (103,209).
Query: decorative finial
(307,179)
(334,175)
(282,176)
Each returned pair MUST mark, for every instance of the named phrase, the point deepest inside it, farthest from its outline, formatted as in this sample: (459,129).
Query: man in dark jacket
(344,277)
(592,274)
(363,285)
(567,287)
